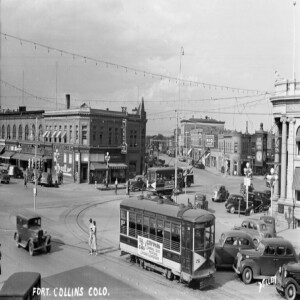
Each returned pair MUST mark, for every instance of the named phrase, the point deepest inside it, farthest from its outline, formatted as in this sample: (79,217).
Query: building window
(14,132)
(143,137)
(297,195)
(298,140)
(116,136)
(131,138)
(3,132)
(76,134)
(135,139)
(71,134)
(26,132)
(20,133)
(40,132)
(84,134)
(8,132)
(109,135)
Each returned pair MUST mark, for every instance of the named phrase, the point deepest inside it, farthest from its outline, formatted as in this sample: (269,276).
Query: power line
(127,69)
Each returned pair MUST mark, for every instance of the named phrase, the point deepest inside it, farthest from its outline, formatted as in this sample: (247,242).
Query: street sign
(247,181)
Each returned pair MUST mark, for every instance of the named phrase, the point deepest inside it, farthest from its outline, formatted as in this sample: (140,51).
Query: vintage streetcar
(175,240)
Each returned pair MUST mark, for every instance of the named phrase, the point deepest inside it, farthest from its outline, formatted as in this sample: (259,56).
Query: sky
(200,58)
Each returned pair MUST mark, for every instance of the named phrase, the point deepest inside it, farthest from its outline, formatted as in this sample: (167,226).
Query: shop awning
(45,133)
(98,166)
(117,166)
(53,134)
(296,180)
(58,134)
(7,154)
(26,156)
(63,134)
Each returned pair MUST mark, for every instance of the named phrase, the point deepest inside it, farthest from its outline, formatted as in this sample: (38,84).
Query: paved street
(68,267)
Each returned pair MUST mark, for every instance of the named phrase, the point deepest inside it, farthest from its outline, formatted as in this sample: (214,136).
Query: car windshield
(34,222)
(263,227)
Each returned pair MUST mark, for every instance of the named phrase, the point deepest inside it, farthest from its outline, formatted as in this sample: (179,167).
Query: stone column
(283,158)
(290,166)
(276,162)
(79,168)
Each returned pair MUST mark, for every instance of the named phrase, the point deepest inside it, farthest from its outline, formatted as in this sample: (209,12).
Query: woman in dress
(94,239)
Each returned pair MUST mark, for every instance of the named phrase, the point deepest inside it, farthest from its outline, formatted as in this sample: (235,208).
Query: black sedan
(229,245)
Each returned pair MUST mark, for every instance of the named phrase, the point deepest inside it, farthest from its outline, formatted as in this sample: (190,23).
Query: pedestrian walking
(91,232)
(94,242)
(116,186)
(25,180)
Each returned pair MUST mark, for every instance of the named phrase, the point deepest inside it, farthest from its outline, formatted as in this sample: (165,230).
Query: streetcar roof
(162,169)
(170,210)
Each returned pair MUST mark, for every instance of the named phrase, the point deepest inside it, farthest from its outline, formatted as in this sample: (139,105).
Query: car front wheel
(232,210)
(247,275)
(251,212)
(30,248)
(290,292)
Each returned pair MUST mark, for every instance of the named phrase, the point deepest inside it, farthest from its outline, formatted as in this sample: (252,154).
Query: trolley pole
(176,135)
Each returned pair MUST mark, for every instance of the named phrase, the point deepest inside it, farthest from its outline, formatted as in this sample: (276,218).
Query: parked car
(266,201)
(45,179)
(30,234)
(200,201)
(271,224)
(4,177)
(15,172)
(229,244)
(199,165)
(288,280)
(265,260)
(219,193)
(138,183)
(257,229)
(236,203)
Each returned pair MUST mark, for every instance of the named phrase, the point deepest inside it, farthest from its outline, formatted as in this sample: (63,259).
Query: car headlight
(285,273)
(280,270)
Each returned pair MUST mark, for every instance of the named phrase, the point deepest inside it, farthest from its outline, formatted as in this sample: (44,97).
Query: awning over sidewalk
(1,148)
(98,166)
(7,154)
(296,180)
(26,156)
(117,166)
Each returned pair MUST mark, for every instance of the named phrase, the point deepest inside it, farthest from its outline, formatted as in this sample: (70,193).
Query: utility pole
(35,165)
(176,136)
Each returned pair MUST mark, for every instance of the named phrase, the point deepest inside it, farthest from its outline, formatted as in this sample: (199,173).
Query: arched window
(20,133)
(14,133)
(40,132)
(8,132)
(3,132)
(298,140)
(32,133)
(26,133)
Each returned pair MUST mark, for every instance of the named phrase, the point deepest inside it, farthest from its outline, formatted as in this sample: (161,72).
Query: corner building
(77,141)
(286,113)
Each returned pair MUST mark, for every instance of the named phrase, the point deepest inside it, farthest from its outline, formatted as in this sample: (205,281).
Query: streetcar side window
(123,220)
(175,245)
(209,236)
(146,227)
(160,228)
(152,228)
(132,224)
(139,227)
(167,235)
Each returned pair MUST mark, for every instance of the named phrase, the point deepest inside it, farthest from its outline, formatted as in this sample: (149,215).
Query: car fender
(289,280)
(229,206)
(30,240)
(48,240)
(253,265)
(15,235)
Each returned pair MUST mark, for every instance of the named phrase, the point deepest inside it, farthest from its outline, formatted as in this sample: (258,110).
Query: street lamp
(247,180)
(272,178)
(107,158)
(56,155)
(19,149)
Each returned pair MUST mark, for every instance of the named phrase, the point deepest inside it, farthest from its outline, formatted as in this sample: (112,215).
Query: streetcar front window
(123,222)
(204,236)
